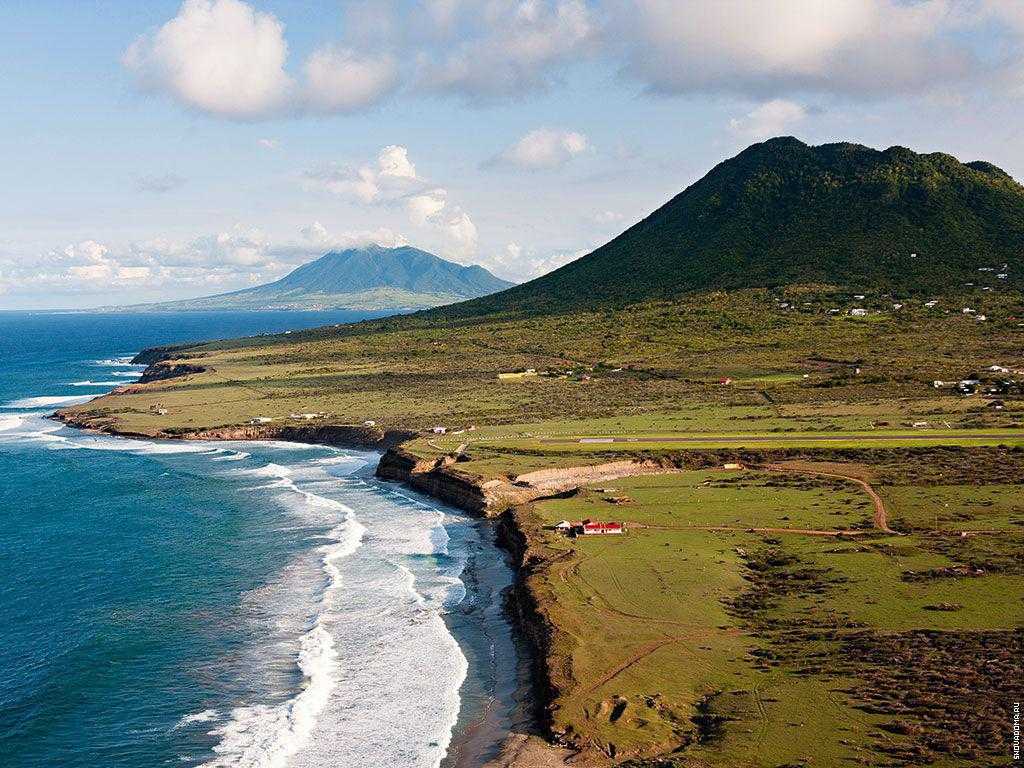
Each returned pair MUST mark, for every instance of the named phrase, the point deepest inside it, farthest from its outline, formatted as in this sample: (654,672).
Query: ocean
(228,604)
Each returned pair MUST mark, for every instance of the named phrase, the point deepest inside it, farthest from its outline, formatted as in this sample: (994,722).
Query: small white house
(931,303)
(858,312)
(261,420)
(968,311)
(439,430)
(369,423)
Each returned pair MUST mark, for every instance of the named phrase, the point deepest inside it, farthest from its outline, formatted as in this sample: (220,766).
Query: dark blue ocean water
(222,604)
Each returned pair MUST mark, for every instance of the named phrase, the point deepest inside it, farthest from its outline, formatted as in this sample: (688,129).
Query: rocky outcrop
(437,478)
(162,371)
(152,355)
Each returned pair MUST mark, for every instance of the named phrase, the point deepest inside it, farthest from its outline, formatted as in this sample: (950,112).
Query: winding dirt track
(880,518)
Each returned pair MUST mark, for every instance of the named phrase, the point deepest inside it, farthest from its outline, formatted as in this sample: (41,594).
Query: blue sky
(165,149)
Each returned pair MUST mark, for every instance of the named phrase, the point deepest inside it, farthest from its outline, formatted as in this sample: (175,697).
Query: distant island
(368,279)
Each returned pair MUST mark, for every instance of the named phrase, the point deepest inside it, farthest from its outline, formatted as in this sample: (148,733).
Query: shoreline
(523,744)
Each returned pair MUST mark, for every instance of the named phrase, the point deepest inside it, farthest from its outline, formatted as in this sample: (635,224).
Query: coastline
(512,732)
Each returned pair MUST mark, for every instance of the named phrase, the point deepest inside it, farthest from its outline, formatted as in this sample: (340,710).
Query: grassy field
(649,369)
(730,626)
(665,651)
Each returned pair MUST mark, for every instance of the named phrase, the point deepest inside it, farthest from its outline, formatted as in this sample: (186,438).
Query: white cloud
(508,47)
(320,239)
(544,148)
(853,47)
(225,58)
(162,268)
(341,80)
(391,177)
(392,182)
(423,208)
(520,264)
(460,235)
(218,56)
(769,119)
(269,143)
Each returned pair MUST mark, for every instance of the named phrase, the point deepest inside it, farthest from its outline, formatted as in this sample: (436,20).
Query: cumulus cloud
(543,148)
(392,176)
(392,181)
(225,58)
(159,184)
(769,119)
(218,56)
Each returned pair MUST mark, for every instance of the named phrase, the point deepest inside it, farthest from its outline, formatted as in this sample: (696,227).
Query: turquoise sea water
(225,604)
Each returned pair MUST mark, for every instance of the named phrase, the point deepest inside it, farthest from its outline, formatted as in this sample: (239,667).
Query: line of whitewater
(261,736)
(254,735)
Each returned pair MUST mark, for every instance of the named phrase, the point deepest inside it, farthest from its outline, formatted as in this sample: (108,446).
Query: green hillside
(782,212)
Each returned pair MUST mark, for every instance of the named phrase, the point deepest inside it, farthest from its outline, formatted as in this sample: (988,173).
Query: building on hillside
(439,430)
(564,526)
(858,312)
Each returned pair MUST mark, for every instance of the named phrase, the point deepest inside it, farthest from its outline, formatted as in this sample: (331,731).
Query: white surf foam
(199,717)
(47,400)
(124,361)
(234,456)
(261,736)
(8,423)
(127,374)
(88,383)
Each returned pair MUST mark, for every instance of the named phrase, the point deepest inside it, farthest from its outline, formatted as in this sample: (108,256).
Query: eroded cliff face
(437,478)
(340,435)
(517,535)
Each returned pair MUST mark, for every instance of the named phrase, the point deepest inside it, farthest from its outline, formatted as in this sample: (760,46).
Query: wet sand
(496,696)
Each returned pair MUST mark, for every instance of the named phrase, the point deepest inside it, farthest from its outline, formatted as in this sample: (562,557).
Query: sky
(165,149)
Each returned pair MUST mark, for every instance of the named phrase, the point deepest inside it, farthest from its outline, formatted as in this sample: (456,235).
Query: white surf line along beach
(380,670)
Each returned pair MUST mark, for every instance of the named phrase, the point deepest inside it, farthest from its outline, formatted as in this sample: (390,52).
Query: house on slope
(593,528)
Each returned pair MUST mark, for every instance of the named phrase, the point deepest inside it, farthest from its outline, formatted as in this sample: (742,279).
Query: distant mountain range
(782,212)
(368,278)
